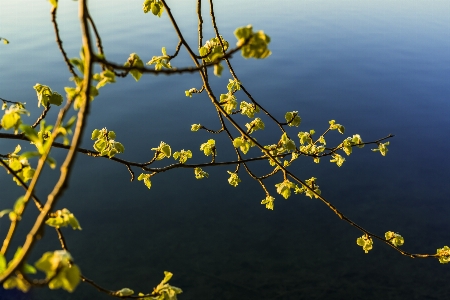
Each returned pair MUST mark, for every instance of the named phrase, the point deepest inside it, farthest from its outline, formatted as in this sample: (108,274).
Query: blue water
(376,67)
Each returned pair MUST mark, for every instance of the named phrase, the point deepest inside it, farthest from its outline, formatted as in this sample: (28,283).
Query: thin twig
(59,41)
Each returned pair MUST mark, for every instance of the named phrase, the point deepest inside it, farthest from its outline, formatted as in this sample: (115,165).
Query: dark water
(376,67)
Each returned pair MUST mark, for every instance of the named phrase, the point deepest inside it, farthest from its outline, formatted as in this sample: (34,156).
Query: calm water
(376,67)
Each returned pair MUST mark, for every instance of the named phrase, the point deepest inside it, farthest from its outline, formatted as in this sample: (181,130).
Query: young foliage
(394,238)
(161,61)
(182,155)
(257,45)
(228,102)
(20,165)
(443,255)
(146,179)
(233,85)
(105,142)
(284,188)
(11,118)
(287,145)
(268,202)
(248,109)
(195,127)
(234,179)
(63,218)
(209,148)
(334,126)
(103,78)
(313,186)
(124,292)
(382,147)
(135,61)
(164,291)
(338,159)
(212,52)
(200,174)
(46,96)
(243,143)
(292,118)
(18,282)
(58,266)
(365,242)
(162,151)
(255,125)
(155,6)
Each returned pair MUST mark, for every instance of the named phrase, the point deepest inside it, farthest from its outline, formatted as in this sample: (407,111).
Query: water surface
(376,67)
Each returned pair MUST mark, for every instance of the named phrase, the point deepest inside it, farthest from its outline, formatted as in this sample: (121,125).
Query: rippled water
(376,67)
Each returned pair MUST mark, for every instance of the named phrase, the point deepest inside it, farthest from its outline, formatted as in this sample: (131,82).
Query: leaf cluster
(257,45)
(105,142)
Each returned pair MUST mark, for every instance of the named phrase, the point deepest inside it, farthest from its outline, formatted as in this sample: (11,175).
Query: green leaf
(72,278)
(234,179)
(78,63)
(338,159)
(135,61)
(43,93)
(195,127)
(200,174)
(257,45)
(4,212)
(73,222)
(17,149)
(292,118)
(124,292)
(5,41)
(162,151)
(183,156)
(365,242)
(254,125)
(218,68)
(148,183)
(284,188)
(268,202)
(95,134)
(146,179)
(56,99)
(288,144)
(228,102)
(11,118)
(45,264)
(99,145)
(15,282)
(28,269)
(55,222)
(147,5)
(119,147)
(443,255)
(248,109)
(31,134)
(394,238)
(209,147)
(15,164)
